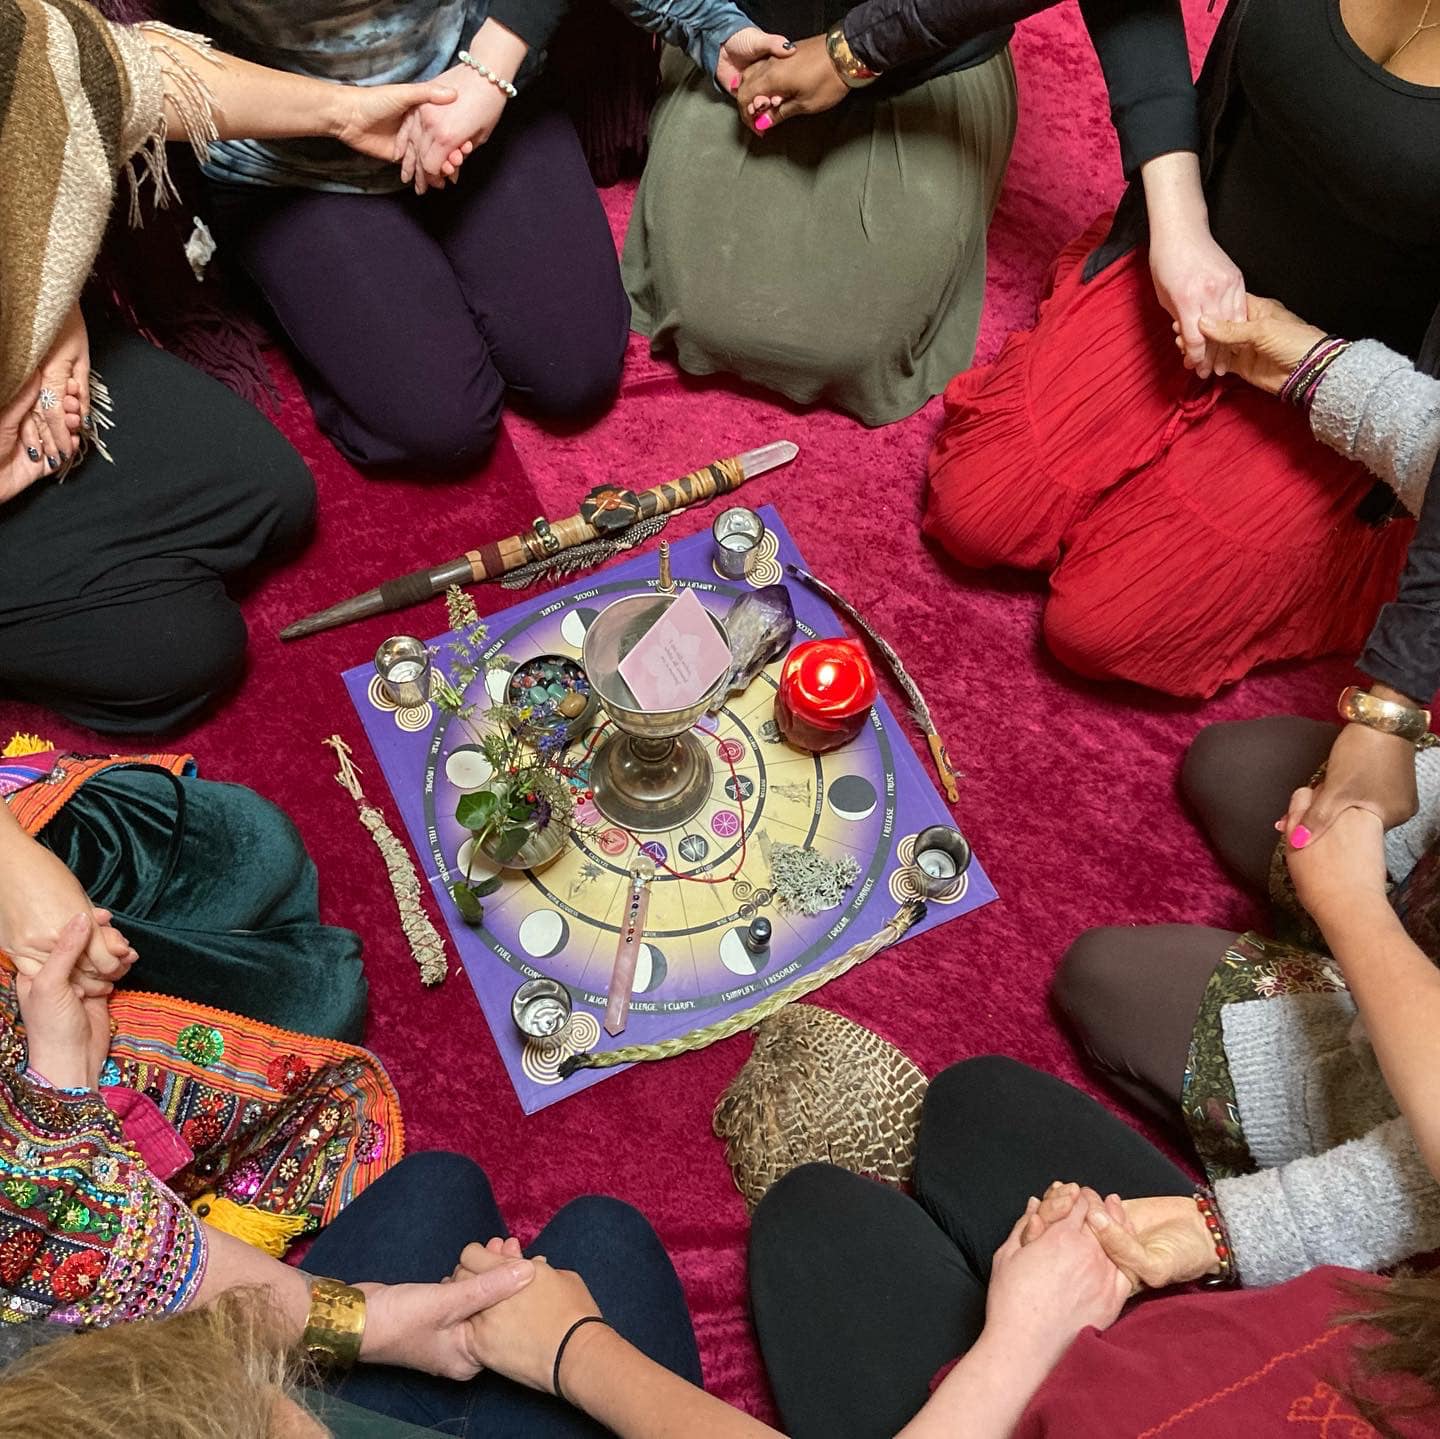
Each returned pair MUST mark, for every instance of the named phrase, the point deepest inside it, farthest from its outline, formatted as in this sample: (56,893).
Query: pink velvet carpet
(1069,789)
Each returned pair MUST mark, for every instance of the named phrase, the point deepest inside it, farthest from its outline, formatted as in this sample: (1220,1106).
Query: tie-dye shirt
(379,42)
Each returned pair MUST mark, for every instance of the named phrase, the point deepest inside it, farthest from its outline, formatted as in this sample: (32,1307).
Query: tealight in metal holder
(737,533)
(403,664)
(942,855)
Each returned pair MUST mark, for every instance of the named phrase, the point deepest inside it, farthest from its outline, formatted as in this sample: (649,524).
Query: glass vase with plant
(524,812)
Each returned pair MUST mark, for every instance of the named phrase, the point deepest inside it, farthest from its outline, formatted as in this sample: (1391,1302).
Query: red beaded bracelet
(1210,1213)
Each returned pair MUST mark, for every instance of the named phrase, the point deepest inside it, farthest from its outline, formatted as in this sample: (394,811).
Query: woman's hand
(22,445)
(520,1339)
(1367,770)
(64,400)
(1342,873)
(38,895)
(369,118)
(1047,1287)
(1263,349)
(431,1327)
(1158,1242)
(67,1032)
(1193,276)
(743,49)
(803,82)
(436,138)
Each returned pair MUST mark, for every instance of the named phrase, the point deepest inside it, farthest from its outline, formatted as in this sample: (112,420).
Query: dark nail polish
(87,421)
(33,453)
(52,461)
(789,44)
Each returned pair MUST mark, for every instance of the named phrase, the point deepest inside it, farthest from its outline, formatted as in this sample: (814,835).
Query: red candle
(826,690)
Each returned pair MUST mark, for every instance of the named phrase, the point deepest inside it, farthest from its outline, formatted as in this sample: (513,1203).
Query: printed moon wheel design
(651,967)
(852,797)
(737,959)
(543,932)
(574,625)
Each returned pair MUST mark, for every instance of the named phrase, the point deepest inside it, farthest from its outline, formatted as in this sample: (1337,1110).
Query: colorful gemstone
(201,1043)
(244,1183)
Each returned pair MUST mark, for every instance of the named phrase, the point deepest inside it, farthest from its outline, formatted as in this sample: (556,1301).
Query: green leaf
(488,885)
(477,811)
(467,901)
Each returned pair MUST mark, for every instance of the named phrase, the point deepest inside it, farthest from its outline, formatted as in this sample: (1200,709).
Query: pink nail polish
(734,83)
(1299,836)
(764,123)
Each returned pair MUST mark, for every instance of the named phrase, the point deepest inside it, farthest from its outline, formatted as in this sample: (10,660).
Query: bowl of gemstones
(549,691)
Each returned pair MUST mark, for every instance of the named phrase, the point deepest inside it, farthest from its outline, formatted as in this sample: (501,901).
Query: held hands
(519,1339)
(1262,349)
(1367,770)
(1343,873)
(1194,277)
(370,118)
(801,81)
(1051,1278)
(38,895)
(38,427)
(1154,1243)
(67,1031)
(435,139)
(433,1327)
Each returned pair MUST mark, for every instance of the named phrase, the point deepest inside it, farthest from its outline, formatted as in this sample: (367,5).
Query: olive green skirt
(841,257)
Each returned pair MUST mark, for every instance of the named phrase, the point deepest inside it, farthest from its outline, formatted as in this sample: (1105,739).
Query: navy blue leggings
(412,1224)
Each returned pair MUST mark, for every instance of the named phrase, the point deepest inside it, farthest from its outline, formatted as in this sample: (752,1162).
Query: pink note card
(677,659)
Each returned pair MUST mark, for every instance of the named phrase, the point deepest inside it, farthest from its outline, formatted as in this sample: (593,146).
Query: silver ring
(48,399)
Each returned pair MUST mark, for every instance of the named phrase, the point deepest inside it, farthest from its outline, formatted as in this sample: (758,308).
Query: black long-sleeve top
(1141,45)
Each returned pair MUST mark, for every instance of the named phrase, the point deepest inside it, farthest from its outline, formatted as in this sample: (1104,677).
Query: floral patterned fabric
(1257,968)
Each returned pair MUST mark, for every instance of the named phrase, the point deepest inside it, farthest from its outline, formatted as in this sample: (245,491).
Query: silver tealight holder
(737,533)
(403,664)
(541,1008)
(942,855)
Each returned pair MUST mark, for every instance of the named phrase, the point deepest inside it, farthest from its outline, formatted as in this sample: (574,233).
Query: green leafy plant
(528,791)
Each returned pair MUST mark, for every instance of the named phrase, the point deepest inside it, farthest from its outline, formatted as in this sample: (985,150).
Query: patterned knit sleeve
(1365,1205)
(87,1235)
(1374,406)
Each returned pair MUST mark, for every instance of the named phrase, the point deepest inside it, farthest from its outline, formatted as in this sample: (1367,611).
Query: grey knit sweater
(1339,1179)
(1374,406)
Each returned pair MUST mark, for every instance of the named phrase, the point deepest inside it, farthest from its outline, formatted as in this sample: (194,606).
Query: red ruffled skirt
(1191,530)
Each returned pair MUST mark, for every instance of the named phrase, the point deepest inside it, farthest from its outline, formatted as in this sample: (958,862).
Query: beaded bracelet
(481,68)
(1219,1237)
(1302,382)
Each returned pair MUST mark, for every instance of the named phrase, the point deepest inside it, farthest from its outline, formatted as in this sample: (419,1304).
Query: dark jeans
(414,315)
(861,1293)
(411,1226)
(1132,993)
(113,608)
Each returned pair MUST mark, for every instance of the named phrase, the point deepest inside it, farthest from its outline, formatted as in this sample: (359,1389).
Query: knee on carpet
(598,1224)
(1079,637)
(286,491)
(792,1207)
(576,388)
(1094,978)
(440,433)
(431,1172)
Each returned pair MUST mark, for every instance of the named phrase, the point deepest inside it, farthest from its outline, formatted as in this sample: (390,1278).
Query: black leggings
(1132,994)
(113,607)
(861,1293)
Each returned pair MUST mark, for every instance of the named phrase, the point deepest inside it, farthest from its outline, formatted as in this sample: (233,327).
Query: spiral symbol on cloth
(541,1058)
(906,882)
(409,718)
(766,569)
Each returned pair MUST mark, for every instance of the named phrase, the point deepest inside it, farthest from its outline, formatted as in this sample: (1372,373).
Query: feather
(919,708)
(584,557)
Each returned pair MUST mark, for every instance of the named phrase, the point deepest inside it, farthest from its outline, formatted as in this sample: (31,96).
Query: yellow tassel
(271,1232)
(22,744)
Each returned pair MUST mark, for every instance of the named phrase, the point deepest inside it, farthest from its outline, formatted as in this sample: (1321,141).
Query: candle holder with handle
(652,774)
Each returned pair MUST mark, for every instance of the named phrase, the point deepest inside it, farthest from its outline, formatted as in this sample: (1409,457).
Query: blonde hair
(220,1372)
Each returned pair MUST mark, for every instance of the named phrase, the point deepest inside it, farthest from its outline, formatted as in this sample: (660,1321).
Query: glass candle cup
(541,1008)
(403,664)
(942,855)
(737,533)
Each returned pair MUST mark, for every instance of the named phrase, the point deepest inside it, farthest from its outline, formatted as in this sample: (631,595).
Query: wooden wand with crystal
(606,511)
